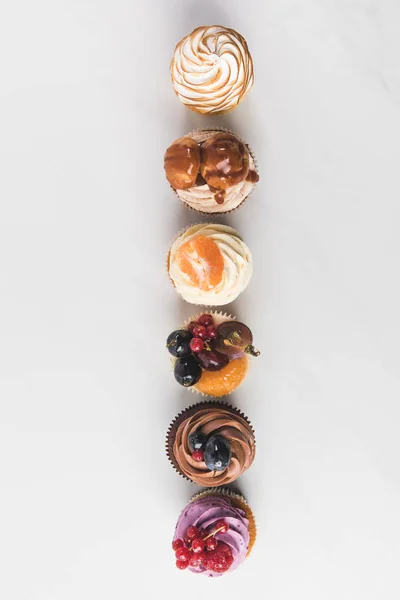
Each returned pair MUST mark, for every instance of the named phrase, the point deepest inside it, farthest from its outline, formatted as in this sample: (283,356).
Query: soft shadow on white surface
(88,499)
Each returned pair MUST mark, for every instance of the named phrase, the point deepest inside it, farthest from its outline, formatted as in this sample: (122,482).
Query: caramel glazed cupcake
(211,171)
(211,444)
(212,70)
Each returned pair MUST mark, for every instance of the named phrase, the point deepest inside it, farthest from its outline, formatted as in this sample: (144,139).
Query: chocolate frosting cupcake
(217,419)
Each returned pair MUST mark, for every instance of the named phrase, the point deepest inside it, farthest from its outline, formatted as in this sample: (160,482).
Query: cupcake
(211,170)
(214,534)
(209,264)
(211,444)
(212,70)
(211,353)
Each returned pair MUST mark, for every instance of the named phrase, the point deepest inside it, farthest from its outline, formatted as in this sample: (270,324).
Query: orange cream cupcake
(209,264)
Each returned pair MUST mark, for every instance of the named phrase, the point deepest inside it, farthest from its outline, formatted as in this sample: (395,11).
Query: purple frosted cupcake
(214,533)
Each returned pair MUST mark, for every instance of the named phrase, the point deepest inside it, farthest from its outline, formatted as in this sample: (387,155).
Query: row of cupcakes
(212,171)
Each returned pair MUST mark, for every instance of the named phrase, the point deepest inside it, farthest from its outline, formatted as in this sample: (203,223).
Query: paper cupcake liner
(188,412)
(220,213)
(238,501)
(181,232)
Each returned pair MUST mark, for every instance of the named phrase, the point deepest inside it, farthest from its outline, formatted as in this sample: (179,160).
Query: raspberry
(198,559)
(220,559)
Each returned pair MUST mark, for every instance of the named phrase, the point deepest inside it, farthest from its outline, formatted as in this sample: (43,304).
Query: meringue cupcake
(211,170)
(211,353)
(212,70)
(209,264)
(211,444)
(215,533)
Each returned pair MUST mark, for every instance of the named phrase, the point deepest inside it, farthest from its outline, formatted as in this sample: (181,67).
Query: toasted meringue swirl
(212,69)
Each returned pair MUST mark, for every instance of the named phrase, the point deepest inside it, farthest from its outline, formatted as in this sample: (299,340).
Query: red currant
(211,332)
(196,344)
(198,455)
(211,543)
(198,545)
(206,320)
(176,544)
(182,564)
(198,559)
(192,533)
(200,332)
(222,526)
(183,554)
(191,326)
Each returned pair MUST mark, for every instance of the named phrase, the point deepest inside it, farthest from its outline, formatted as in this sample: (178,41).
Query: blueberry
(197,440)
(217,453)
(187,371)
(178,343)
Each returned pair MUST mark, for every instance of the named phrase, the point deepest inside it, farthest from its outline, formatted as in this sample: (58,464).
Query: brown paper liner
(188,412)
(217,129)
(238,501)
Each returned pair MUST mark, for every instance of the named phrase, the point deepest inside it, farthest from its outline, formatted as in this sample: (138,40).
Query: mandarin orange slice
(220,383)
(201,261)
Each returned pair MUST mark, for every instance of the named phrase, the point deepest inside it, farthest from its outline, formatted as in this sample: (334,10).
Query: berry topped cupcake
(214,534)
(211,353)
(212,70)
(211,444)
(211,170)
(209,264)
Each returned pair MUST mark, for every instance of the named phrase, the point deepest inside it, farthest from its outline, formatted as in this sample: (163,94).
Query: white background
(88,501)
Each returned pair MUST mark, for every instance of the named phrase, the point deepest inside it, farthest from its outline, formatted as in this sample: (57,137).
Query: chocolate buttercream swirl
(212,69)
(224,421)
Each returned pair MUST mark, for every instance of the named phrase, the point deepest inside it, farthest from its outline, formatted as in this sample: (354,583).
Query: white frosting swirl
(212,69)
(202,199)
(238,266)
